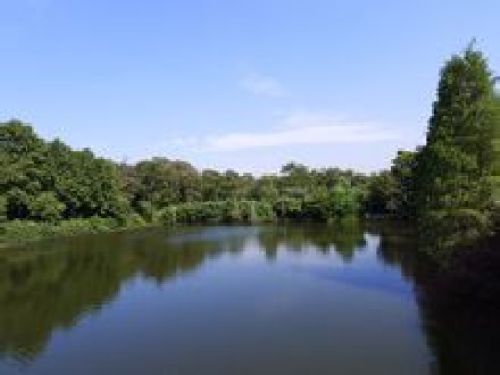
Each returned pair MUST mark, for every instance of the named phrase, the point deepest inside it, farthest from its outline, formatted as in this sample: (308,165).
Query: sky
(247,85)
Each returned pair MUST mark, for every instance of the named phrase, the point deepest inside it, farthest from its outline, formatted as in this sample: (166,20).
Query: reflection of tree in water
(56,283)
(40,292)
(397,247)
(461,310)
(460,305)
(343,237)
(59,282)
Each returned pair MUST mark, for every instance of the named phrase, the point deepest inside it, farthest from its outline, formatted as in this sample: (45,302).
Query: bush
(168,216)
(134,220)
(46,207)
(217,212)
(288,207)
(264,211)
(3,208)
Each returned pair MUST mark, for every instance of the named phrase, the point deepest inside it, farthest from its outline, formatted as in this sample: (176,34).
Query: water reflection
(344,238)
(54,284)
(459,306)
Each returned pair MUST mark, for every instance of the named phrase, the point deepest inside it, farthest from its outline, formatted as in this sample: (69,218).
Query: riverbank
(17,232)
(22,231)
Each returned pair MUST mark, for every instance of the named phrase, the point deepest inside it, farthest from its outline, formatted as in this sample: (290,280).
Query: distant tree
(344,200)
(266,189)
(210,189)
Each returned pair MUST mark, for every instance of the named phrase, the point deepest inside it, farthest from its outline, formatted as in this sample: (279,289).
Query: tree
(454,196)
(21,154)
(381,194)
(266,189)
(3,208)
(36,174)
(344,200)
(496,145)
(210,189)
(402,170)
(46,207)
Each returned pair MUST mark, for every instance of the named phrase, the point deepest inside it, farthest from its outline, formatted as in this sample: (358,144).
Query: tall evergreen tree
(496,144)
(454,169)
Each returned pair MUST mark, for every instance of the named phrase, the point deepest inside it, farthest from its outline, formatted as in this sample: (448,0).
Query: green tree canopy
(453,171)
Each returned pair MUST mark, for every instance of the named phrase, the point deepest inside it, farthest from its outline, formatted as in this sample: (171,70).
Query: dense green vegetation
(49,183)
(449,186)
(496,144)
(453,175)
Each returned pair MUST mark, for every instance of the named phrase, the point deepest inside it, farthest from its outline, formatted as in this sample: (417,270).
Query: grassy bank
(210,212)
(19,231)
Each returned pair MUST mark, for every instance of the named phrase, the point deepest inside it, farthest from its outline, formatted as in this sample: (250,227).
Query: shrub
(3,208)
(26,230)
(46,207)
(217,212)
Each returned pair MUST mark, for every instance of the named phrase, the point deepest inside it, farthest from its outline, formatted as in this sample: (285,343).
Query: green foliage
(263,211)
(450,185)
(217,212)
(48,180)
(381,196)
(161,182)
(157,188)
(134,220)
(288,207)
(3,208)
(495,105)
(46,207)
(344,201)
(23,230)
(403,171)
(454,169)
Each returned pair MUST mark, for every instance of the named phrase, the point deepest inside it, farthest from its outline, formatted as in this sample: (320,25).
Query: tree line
(450,187)
(47,181)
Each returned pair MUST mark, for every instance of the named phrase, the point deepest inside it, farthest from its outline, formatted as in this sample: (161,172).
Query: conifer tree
(454,169)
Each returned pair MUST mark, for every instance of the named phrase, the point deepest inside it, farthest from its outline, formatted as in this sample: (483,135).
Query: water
(309,299)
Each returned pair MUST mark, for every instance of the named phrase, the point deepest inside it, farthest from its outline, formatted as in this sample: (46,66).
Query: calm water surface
(307,299)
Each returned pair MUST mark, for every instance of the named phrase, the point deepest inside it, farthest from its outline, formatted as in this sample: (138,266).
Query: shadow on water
(54,284)
(459,305)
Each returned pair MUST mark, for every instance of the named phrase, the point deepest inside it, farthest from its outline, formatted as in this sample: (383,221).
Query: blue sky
(243,84)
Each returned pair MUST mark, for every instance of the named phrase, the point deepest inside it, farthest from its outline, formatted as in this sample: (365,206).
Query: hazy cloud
(295,129)
(262,85)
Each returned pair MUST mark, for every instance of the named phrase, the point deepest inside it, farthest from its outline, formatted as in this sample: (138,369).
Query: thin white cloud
(262,85)
(296,129)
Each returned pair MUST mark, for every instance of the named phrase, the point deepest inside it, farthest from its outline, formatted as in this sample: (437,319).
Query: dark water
(311,299)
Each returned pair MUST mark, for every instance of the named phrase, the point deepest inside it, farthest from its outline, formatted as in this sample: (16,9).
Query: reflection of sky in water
(365,278)
(212,234)
(219,303)
(363,271)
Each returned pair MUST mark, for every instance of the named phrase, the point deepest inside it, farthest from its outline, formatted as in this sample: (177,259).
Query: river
(284,299)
